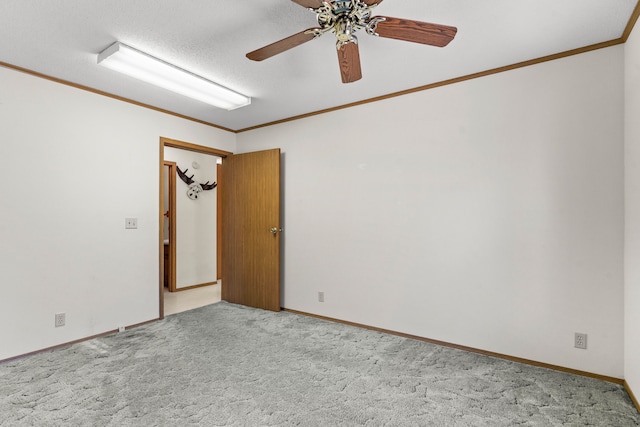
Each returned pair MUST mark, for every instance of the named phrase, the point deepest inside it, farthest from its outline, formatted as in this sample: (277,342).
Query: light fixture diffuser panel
(132,62)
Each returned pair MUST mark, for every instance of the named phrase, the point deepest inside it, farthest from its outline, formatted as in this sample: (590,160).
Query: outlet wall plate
(60,319)
(580,341)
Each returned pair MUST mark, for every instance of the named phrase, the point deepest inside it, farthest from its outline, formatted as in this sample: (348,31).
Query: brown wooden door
(251,229)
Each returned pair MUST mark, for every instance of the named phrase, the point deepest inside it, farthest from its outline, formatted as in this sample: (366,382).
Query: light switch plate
(130,223)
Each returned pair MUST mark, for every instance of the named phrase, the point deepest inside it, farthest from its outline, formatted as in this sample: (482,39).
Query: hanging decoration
(195,188)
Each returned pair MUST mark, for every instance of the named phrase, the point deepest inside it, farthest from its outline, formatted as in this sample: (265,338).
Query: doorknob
(275,230)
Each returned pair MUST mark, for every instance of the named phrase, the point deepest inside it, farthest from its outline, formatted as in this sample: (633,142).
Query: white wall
(632,204)
(487,213)
(74,166)
(195,220)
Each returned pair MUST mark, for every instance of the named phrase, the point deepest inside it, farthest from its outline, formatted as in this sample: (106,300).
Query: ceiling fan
(344,18)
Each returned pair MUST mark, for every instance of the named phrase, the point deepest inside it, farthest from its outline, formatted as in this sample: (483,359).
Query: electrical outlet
(320,296)
(131,223)
(580,341)
(60,319)
(121,328)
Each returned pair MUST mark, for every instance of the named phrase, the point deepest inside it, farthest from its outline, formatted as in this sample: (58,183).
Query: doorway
(167,175)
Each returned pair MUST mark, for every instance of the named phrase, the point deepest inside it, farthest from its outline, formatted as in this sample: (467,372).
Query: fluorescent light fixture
(130,61)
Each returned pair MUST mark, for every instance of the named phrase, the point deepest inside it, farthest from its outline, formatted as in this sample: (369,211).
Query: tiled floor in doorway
(176,302)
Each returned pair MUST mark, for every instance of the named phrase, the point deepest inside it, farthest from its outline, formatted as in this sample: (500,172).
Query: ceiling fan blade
(282,45)
(349,60)
(414,31)
(312,4)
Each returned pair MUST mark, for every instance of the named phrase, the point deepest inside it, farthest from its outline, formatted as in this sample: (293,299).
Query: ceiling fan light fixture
(135,63)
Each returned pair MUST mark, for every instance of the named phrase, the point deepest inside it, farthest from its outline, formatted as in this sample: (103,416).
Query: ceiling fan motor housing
(343,17)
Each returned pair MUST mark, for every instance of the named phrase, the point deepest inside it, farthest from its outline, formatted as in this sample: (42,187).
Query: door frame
(167,142)
(171,166)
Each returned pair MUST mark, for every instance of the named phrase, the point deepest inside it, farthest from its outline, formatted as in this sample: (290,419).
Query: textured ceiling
(62,38)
